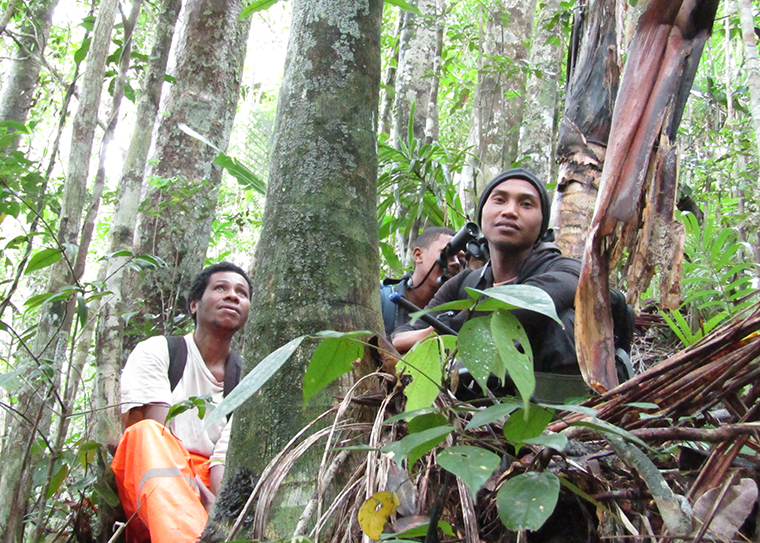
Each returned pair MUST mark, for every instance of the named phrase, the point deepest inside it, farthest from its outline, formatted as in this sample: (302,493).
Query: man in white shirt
(170,478)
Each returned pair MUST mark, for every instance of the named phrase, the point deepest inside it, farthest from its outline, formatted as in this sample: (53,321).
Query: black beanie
(525,175)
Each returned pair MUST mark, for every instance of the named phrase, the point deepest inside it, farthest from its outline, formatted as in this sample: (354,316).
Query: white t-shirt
(145,379)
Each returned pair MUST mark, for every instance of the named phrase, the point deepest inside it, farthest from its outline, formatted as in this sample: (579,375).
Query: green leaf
(81,310)
(57,480)
(553,441)
(87,452)
(606,428)
(473,465)
(356,334)
(426,422)
(527,500)
(252,382)
(240,172)
(404,6)
(256,5)
(417,531)
(423,364)
(477,350)
(416,445)
(491,414)
(9,379)
(332,358)
(81,53)
(581,409)
(43,259)
(518,297)
(505,329)
(526,424)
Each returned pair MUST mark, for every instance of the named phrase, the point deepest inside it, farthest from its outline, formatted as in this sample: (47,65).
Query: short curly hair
(200,282)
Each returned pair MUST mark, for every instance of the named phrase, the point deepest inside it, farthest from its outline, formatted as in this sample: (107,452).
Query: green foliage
(527,500)
(718,277)
(473,465)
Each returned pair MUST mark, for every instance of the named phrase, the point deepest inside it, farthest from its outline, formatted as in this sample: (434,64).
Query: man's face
(225,302)
(425,258)
(512,215)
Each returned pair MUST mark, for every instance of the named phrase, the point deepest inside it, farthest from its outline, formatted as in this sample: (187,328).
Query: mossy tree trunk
(180,196)
(317,261)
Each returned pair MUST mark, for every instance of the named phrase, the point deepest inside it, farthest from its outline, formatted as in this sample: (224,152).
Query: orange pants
(155,476)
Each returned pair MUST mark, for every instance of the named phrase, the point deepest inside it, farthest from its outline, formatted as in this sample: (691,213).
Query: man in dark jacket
(513,213)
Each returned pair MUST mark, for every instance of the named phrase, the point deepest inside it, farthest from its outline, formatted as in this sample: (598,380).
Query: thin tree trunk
(20,82)
(322,187)
(497,109)
(175,224)
(52,335)
(752,64)
(389,84)
(538,131)
(416,61)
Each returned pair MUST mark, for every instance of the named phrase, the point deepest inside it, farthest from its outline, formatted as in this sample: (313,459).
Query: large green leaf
(242,173)
(473,465)
(332,358)
(416,445)
(252,382)
(491,414)
(256,5)
(477,351)
(42,259)
(426,422)
(526,424)
(527,500)
(505,329)
(554,441)
(404,6)
(517,296)
(423,364)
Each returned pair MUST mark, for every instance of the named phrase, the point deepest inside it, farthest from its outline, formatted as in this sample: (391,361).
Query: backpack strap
(471,279)
(388,307)
(177,359)
(232,372)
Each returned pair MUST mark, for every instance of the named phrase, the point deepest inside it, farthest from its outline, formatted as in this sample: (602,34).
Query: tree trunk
(416,65)
(497,109)
(752,64)
(110,351)
(585,125)
(51,339)
(538,131)
(20,81)
(317,260)
(389,84)
(175,224)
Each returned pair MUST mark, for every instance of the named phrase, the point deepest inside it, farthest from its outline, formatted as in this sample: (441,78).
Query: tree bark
(178,210)
(317,260)
(585,125)
(416,63)
(538,131)
(20,82)
(753,65)
(110,350)
(51,339)
(497,110)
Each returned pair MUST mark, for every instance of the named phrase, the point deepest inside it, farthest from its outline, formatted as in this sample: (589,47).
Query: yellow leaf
(374,513)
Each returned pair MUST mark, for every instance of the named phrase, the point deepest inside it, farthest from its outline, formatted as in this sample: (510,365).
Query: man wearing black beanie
(513,213)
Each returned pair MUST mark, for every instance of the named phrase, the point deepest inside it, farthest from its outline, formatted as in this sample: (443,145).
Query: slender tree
(33,413)
(497,109)
(20,82)
(174,222)
(317,262)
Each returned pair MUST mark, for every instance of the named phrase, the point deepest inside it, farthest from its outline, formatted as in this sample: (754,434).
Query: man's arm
(155,411)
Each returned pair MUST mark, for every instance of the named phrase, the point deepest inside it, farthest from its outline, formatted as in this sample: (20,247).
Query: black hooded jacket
(553,347)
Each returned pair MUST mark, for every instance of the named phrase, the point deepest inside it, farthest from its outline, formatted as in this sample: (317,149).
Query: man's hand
(207,497)
(406,340)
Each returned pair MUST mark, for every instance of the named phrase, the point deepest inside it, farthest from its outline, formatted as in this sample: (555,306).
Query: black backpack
(178,360)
